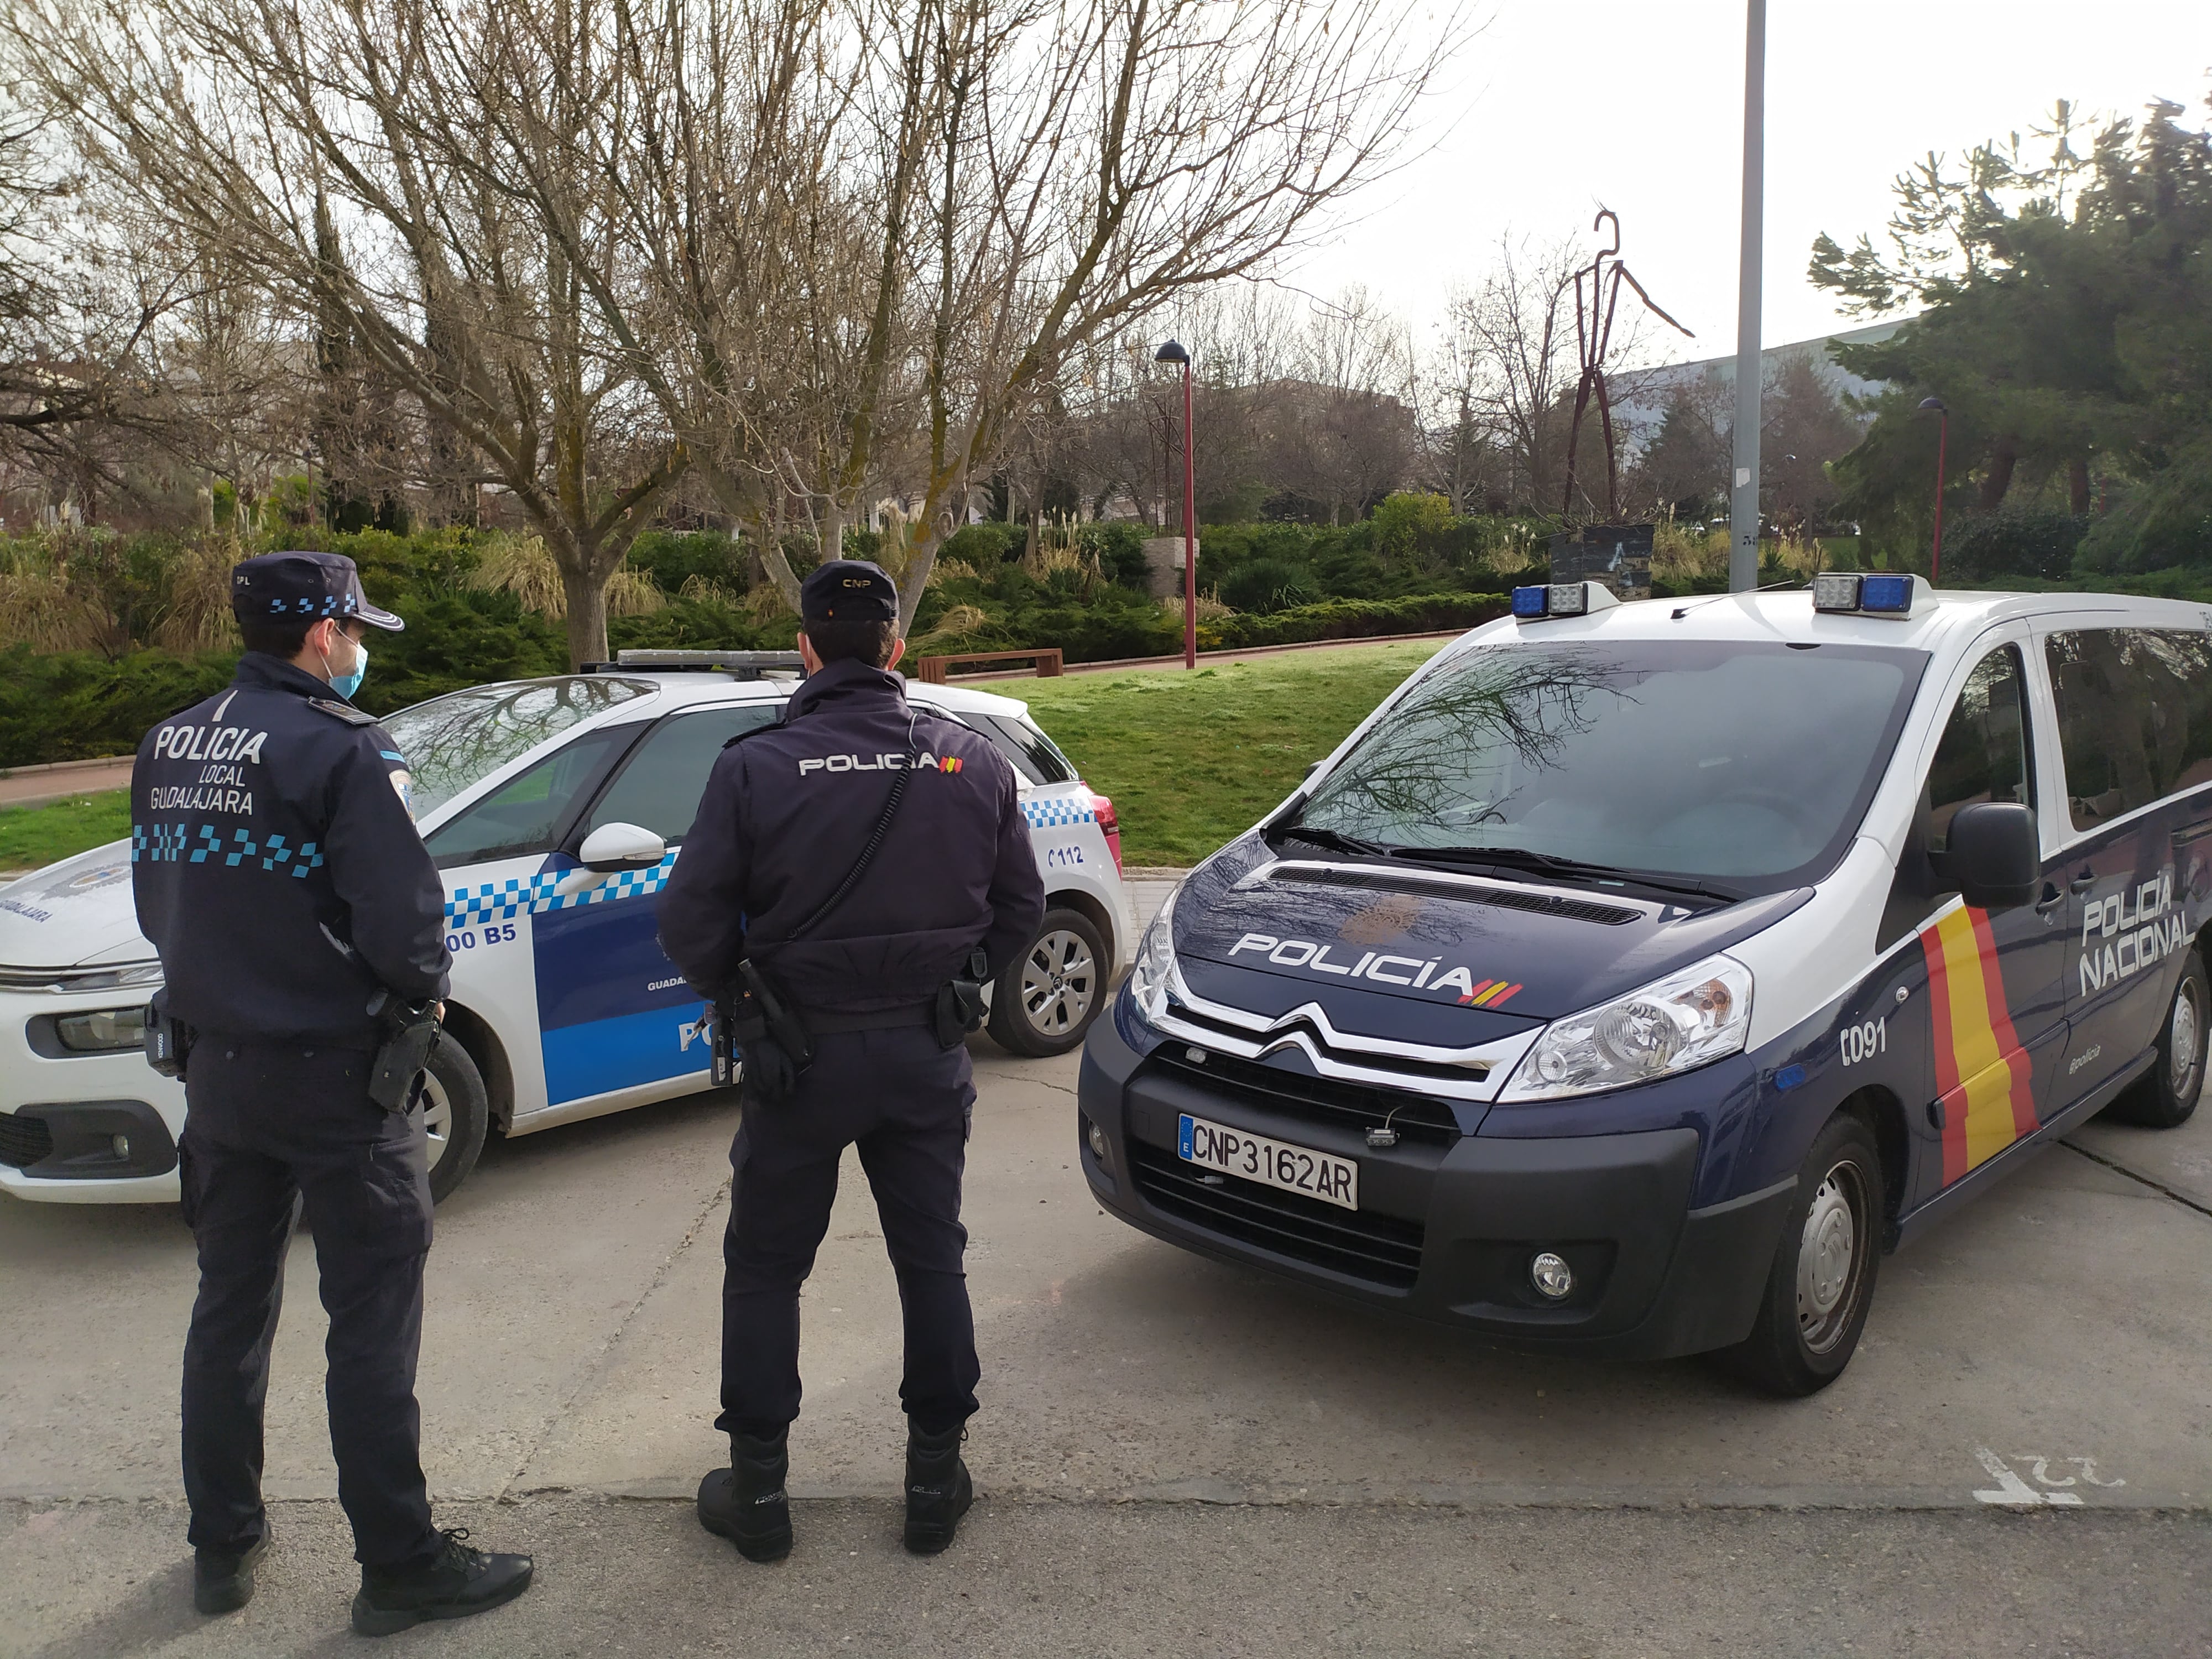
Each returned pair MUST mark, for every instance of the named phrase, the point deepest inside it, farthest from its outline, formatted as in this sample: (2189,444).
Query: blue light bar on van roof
(1561,599)
(1873,593)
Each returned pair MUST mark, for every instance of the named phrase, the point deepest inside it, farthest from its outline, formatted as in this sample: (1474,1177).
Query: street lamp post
(1743,490)
(1942,443)
(1172,352)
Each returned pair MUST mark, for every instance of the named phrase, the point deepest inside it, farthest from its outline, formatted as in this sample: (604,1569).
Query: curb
(1116,664)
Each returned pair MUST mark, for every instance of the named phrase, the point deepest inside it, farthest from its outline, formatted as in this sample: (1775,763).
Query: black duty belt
(921,1014)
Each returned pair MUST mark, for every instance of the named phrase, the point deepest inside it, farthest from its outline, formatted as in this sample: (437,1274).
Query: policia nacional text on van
(854,878)
(1638,975)
(300,924)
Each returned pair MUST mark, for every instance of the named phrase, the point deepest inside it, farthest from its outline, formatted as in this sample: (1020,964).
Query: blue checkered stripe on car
(520,895)
(1056,810)
(171,843)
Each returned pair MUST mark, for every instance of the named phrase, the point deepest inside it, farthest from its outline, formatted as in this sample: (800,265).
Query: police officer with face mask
(855,874)
(278,873)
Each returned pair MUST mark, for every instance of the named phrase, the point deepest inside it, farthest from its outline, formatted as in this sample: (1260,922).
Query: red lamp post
(1942,440)
(1172,352)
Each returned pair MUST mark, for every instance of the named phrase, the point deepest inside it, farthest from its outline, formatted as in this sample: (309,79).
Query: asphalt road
(1175,1456)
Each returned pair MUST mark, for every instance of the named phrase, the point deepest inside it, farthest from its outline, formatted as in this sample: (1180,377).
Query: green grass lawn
(33,835)
(1191,759)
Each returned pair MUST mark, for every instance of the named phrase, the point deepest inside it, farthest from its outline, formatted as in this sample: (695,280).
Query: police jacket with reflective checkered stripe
(786,812)
(275,865)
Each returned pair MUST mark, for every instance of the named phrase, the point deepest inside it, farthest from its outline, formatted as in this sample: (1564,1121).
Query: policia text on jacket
(1638,975)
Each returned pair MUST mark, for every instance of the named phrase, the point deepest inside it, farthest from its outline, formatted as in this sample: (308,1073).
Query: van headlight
(1154,970)
(1684,1021)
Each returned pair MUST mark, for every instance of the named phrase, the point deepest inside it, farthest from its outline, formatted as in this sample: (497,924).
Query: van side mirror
(616,846)
(1995,856)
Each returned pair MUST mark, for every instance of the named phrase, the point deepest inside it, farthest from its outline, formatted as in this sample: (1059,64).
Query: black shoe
(453,1583)
(746,1502)
(938,1489)
(222,1582)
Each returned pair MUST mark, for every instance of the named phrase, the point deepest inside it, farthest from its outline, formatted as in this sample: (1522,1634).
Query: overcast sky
(1565,108)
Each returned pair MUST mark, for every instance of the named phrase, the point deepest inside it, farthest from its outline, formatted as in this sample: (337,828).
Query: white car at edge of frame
(564,1005)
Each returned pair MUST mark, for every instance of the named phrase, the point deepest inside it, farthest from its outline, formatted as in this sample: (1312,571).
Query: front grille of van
(24,1141)
(1313,1099)
(1381,1249)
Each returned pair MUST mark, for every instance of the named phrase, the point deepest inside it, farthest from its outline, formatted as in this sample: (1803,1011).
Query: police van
(1638,975)
(555,809)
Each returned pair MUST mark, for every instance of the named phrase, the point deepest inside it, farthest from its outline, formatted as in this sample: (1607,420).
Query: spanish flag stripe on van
(1983,1076)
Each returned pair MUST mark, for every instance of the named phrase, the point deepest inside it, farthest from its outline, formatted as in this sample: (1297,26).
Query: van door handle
(2083,882)
(2051,895)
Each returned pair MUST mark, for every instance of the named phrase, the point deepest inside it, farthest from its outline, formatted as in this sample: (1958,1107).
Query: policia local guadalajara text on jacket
(848,864)
(277,872)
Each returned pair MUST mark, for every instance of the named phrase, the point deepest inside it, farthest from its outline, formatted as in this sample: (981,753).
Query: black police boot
(938,1489)
(746,1502)
(222,1582)
(453,1583)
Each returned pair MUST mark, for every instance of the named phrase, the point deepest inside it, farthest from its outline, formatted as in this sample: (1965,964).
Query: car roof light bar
(1561,599)
(1871,594)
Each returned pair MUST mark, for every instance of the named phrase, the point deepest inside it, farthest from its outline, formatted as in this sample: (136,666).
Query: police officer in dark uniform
(278,871)
(849,865)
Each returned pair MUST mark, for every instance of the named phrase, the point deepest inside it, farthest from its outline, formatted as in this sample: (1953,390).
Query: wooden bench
(935,670)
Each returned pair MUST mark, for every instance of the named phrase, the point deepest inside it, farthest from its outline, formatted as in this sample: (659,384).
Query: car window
(1032,753)
(2135,717)
(1750,761)
(451,742)
(659,785)
(525,814)
(1983,755)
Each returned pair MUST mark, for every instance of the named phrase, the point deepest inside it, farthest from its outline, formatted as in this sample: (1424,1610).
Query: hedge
(1354,619)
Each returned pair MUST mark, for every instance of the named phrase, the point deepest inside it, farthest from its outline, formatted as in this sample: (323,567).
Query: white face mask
(347,683)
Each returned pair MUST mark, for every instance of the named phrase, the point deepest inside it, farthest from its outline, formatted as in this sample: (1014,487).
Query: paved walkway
(34,785)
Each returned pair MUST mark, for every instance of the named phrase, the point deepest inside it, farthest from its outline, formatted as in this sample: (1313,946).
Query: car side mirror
(614,847)
(1995,856)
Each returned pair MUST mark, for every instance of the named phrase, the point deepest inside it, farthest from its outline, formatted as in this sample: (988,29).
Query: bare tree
(1514,337)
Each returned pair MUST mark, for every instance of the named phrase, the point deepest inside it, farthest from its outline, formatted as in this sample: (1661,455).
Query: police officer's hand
(769,1075)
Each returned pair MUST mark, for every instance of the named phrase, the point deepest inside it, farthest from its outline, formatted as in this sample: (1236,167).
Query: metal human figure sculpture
(1594,312)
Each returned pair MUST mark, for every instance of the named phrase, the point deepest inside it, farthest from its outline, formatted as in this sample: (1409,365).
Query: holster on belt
(167,1040)
(960,1001)
(759,1025)
(395,1074)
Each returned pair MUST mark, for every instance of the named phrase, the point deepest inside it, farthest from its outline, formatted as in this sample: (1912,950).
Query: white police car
(554,808)
(1638,975)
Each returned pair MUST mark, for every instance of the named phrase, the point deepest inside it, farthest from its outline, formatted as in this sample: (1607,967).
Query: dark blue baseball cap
(848,590)
(310,585)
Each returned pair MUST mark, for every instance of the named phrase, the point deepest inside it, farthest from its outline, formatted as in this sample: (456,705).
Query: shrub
(2159,525)
(2036,542)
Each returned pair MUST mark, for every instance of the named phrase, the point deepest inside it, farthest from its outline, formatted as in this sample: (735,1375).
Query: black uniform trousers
(272,1131)
(906,1104)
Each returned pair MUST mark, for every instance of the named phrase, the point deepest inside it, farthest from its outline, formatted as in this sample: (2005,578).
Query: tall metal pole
(1942,443)
(1189,533)
(1743,492)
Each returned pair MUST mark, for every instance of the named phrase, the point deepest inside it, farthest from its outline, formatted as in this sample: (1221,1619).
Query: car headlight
(107,1031)
(1684,1021)
(1154,970)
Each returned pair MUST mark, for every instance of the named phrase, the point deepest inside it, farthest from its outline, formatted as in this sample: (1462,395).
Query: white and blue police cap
(306,587)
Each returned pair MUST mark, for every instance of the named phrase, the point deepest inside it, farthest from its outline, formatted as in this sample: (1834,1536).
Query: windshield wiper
(1333,841)
(1519,858)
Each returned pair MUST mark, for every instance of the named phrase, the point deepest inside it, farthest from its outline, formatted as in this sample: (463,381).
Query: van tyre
(455,1113)
(1822,1281)
(2168,1098)
(1048,995)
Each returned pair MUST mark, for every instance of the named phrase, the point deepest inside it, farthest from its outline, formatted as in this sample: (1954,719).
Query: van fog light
(1554,1280)
(1095,1138)
(122,1145)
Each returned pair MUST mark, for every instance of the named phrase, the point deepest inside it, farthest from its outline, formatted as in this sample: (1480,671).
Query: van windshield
(1748,763)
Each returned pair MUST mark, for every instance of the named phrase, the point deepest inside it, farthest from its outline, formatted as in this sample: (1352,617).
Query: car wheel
(1047,997)
(455,1113)
(1822,1281)
(2168,1098)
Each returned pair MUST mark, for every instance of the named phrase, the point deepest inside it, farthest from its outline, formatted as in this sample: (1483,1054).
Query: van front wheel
(1822,1281)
